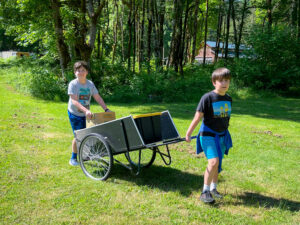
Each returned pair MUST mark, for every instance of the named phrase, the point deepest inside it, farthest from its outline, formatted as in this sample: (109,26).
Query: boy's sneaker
(73,162)
(216,194)
(206,197)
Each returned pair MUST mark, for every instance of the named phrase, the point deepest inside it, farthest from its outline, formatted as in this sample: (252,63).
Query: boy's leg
(73,161)
(211,171)
(209,146)
(215,176)
(76,123)
(74,146)
(213,185)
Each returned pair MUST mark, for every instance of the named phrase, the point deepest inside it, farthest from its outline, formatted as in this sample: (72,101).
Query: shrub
(273,61)
(39,78)
(164,86)
(47,85)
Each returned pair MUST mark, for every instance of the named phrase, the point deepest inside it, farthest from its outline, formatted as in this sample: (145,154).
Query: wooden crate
(100,118)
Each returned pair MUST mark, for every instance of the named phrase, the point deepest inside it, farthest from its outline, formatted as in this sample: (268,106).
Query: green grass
(261,175)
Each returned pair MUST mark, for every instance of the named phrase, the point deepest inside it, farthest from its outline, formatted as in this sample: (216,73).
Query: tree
(195,30)
(60,39)
(205,32)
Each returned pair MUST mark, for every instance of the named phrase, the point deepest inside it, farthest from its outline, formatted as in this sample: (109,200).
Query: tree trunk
(228,27)
(299,21)
(205,33)
(158,11)
(184,42)
(170,57)
(195,31)
(141,54)
(219,30)
(224,35)
(242,24)
(269,13)
(161,29)
(60,40)
(294,12)
(187,49)
(129,24)
(115,30)
(178,11)
(161,18)
(99,45)
(83,29)
(235,32)
(134,36)
(122,34)
(138,36)
(149,35)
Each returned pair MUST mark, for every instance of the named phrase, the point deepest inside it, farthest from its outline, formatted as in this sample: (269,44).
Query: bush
(166,86)
(272,63)
(47,85)
(39,78)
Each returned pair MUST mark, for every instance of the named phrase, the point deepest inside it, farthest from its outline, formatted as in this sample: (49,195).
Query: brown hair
(220,74)
(79,64)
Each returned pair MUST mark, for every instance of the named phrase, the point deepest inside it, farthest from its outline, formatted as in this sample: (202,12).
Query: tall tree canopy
(137,32)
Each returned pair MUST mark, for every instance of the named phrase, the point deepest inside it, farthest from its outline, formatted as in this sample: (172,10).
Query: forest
(141,48)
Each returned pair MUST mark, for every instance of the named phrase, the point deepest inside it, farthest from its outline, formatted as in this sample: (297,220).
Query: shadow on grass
(258,200)
(161,177)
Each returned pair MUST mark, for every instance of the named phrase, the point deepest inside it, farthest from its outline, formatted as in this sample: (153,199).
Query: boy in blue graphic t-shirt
(213,138)
(80,91)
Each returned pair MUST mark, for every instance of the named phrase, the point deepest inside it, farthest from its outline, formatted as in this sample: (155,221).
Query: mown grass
(261,175)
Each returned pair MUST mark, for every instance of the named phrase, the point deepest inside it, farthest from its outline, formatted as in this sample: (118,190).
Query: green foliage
(166,86)
(47,85)
(38,78)
(272,63)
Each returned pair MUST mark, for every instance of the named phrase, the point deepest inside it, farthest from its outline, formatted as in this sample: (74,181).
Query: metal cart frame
(131,136)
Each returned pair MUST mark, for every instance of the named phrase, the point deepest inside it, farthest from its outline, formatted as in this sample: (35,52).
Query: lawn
(260,178)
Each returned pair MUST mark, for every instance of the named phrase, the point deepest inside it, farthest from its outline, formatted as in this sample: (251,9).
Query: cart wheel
(95,157)
(147,157)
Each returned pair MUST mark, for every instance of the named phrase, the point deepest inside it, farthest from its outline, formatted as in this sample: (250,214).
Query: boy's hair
(220,74)
(79,64)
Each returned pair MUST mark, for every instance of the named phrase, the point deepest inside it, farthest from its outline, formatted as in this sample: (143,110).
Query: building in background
(7,54)
(211,49)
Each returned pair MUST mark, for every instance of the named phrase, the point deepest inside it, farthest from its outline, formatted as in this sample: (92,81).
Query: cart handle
(193,137)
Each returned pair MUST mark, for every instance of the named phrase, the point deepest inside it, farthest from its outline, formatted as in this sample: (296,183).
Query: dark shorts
(77,122)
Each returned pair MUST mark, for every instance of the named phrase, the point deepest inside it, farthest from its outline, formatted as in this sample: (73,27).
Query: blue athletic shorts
(208,145)
(77,122)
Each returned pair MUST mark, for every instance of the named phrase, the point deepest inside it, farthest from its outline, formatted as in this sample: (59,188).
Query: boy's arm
(75,102)
(198,116)
(100,101)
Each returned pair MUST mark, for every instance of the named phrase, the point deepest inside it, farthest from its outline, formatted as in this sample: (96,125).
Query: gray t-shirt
(83,92)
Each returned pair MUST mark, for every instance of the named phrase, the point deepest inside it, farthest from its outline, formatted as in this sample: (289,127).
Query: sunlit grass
(260,176)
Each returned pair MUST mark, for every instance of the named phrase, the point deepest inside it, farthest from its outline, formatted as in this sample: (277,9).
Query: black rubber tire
(95,157)
(146,161)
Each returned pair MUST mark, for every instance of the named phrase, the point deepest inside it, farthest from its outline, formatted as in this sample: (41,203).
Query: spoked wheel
(147,157)
(95,157)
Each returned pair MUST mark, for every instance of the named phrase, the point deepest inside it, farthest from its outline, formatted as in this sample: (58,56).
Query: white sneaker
(73,162)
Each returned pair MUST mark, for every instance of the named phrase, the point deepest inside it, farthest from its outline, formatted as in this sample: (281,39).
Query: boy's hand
(188,138)
(89,114)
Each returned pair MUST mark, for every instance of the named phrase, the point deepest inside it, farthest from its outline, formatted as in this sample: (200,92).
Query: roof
(213,44)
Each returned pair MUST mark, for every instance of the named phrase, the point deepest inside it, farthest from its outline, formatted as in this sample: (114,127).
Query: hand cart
(137,137)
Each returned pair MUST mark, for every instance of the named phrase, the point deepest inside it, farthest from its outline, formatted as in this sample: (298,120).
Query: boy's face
(221,86)
(81,73)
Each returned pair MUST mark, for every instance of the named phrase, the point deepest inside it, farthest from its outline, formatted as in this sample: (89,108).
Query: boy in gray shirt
(80,91)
